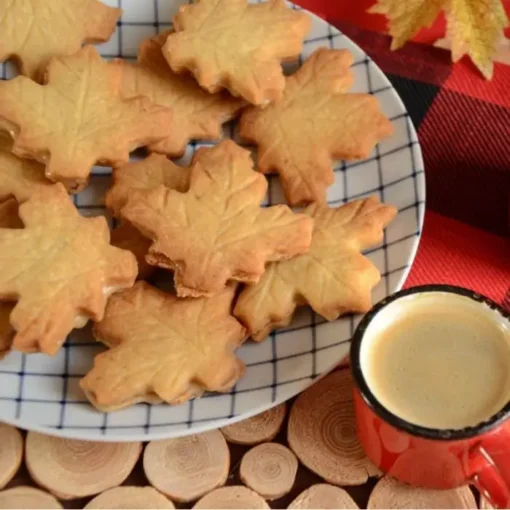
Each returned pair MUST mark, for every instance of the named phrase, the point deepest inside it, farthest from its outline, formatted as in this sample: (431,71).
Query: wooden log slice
(390,493)
(11,453)
(75,469)
(258,429)
(130,497)
(269,469)
(27,497)
(324,496)
(322,432)
(235,496)
(188,467)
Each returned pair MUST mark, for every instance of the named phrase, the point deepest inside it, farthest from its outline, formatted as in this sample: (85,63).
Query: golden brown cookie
(163,348)
(9,214)
(78,118)
(34,32)
(60,270)
(9,218)
(149,173)
(19,177)
(198,115)
(237,45)
(127,237)
(333,277)
(217,231)
(314,123)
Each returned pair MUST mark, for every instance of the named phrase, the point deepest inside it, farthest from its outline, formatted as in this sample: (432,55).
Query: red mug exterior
(431,458)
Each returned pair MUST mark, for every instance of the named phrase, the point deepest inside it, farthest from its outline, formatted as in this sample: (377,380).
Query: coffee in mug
(431,368)
(438,360)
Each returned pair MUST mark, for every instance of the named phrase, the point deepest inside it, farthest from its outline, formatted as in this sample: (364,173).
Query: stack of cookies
(239,269)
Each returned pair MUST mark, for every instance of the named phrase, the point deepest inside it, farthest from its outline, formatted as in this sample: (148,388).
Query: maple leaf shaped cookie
(153,171)
(32,32)
(163,348)
(20,178)
(217,231)
(60,270)
(333,277)
(197,115)
(149,173)
(313,123)
(9,218)
(78,118)
(232,44)
(474,27)
(127,237)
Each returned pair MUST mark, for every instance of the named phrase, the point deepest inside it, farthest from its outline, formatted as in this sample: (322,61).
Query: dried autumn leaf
(197,115)
(78,118)
(237,45)
(406,18)
(149,173)
(34,32)
(502,54)
(20,178)
(314,122)
(60,269)
(9,218)
(163,348)
(217,231)
(474,26)
(333,277)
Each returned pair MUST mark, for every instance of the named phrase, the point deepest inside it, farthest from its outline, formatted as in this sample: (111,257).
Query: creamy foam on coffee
(438,360)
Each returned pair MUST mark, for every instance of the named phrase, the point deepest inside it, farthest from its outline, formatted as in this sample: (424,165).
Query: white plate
(42,393)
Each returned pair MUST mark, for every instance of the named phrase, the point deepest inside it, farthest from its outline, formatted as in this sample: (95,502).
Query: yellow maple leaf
(407,17)
(473,26)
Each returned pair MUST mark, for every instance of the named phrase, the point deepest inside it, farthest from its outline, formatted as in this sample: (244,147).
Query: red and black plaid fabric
(463,124)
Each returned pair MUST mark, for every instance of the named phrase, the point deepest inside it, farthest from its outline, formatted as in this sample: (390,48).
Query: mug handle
(488,479)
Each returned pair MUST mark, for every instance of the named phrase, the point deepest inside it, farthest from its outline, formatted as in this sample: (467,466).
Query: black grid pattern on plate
(105,425)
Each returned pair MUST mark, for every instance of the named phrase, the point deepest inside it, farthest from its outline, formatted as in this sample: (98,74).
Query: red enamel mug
(428,457)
